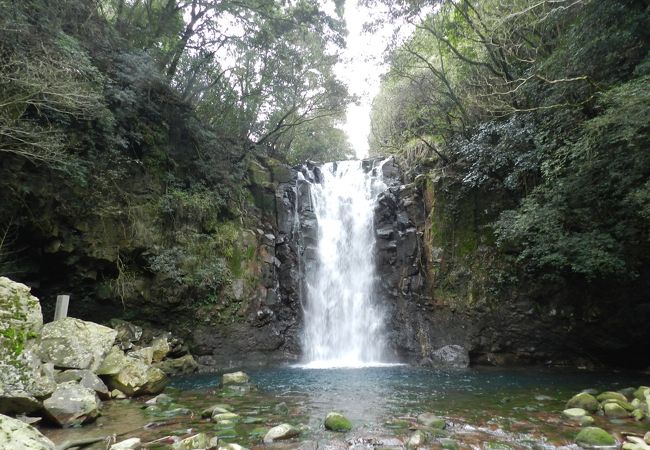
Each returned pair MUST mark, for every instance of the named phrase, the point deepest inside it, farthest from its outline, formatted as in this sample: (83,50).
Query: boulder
(85,378)
(622,403)
(337,422)
(283,431)
(20,311)
(24,381)
(454,356)
(72,404)
(137,378)
(215,409)
(431,421)
(16,434)
(200,440)
(178,366)
(611,396)
(113,363)
(234,378)
(594,437)
(615,411)
(585,401)
(76,344)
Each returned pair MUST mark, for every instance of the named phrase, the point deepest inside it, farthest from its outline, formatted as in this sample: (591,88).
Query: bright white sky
(361,69)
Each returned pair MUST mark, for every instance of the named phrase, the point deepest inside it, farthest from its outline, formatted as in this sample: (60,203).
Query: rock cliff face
(443,283)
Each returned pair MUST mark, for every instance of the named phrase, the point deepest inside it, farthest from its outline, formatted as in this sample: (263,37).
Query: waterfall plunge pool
(485,408)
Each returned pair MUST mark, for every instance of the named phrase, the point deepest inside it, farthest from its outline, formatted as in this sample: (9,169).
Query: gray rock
(16,434)
(127,333)
(114,362)
(24,381)
(85,378)
(574,413)
(76,344)
(20,311)
(72,404)
(454,356)
(283,431)
(161,348)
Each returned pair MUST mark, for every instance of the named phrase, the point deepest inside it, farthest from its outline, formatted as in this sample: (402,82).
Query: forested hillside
(135,137)
(527,123)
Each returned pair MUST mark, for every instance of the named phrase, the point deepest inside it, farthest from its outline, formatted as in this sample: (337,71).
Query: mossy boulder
(611,396)
(642,392)
(615,411)
(592,437)
(76,344)
(585,401)
(16,434)
(200,440)
(622,403)
(638,414)
(113,363)
(20,311)
(337,422)
(138,378)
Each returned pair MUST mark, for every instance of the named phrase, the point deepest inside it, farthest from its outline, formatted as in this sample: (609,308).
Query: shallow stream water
(484,408)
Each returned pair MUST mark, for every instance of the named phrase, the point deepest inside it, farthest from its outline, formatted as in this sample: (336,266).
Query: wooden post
(61,311)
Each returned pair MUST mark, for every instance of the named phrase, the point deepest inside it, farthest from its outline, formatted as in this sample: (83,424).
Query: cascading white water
(343,323)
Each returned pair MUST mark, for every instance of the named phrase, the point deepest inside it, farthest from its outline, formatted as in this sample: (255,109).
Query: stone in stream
(611,396)
(431,421)
(585,401)
(622,403)
(574,413)
(76,344)
(594,437)
(646,438)
(16,434)
(417,439)
(280,432)
(215,409)
(128,444)
(638,415)
(234,378)
(232,446)
(200,440)
(587,421)
(615,411)
(219,417)
(160,399)
(72,404)
(337,422)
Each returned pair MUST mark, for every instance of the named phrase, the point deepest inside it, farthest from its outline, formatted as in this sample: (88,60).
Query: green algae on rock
(593,437)
(585,401)
(337,422)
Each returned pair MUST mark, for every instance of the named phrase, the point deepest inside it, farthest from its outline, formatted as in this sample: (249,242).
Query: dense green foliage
(543,105)
(128,128)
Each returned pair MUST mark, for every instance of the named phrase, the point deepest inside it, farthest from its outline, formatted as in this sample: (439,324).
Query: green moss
(594,436)
(337,422)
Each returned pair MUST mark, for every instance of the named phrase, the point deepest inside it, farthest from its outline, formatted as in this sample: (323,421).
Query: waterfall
(343,323)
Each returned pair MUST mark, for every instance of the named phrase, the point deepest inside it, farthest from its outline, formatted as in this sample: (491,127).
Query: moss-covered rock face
(585,401)
(594,437)
(20,312)
(337,422)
